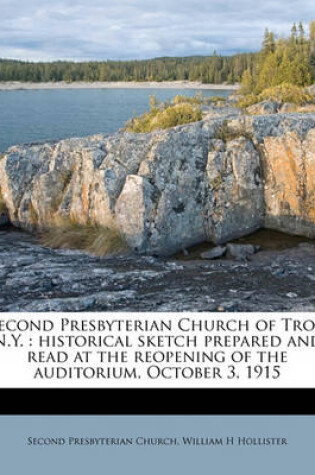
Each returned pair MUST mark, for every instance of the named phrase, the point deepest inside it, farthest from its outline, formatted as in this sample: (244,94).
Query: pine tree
(290,61)
(268,45)
(301,33)
(312,49)
(294,33)
(247,82)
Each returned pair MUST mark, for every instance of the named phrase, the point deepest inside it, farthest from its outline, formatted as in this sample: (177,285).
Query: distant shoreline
(14,85)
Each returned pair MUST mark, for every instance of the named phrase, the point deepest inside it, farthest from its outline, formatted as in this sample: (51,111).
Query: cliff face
(290,183)
(214,180)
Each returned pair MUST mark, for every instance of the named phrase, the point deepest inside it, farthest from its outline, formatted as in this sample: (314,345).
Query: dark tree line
(213,69)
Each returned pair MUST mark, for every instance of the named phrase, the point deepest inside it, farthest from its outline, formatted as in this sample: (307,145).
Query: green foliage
(312,48)
(287,60)
(248,100)
(153,102)
(197,99)
(269,44)
(213,69)
(247,82)
(282,93)
(97,240)
(287,93)
(183,110)
(216,99)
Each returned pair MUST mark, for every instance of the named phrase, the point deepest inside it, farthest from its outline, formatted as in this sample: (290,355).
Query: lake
(38,115)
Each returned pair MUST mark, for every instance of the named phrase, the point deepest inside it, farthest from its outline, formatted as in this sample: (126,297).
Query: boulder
(215,180)
(241,251)
(234,190)
(264,108)
(214,253)
(133,208)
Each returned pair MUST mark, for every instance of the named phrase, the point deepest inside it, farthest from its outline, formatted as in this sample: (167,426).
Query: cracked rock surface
(34,278)
(218,179)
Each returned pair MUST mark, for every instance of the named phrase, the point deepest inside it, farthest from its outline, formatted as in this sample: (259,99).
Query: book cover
(157,231)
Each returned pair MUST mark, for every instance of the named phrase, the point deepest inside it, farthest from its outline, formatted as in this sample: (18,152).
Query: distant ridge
(213,69)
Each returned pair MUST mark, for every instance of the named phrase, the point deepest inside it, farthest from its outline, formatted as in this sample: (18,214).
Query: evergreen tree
(312,48)
(206,69)
(301,33)
(294,33)
(290,61)
(247,82)
(269,44)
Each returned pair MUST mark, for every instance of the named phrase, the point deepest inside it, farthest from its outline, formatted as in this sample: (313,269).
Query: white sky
(135,29)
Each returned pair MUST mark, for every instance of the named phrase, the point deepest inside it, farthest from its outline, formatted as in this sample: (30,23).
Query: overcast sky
(126,29)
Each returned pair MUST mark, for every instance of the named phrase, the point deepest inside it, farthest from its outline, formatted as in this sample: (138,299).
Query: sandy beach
(12,86)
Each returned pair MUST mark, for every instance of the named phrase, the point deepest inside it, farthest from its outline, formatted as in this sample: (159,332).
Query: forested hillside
(282,61)
(213,69)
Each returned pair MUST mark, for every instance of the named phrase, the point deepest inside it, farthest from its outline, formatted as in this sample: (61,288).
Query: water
(267,239)
(39,115)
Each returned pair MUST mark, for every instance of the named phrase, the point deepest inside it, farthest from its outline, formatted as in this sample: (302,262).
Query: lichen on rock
(170,189)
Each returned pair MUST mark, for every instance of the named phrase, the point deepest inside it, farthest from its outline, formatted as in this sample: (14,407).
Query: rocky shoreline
(34,278)
(212,181)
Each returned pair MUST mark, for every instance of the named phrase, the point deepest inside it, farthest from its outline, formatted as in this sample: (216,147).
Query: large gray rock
(265,107)
(234,201)
(216,180)
(241,251)
(133,208)
(214,253)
